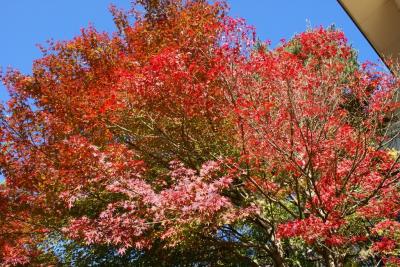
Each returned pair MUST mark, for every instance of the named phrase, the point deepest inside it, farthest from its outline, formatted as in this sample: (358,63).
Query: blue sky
(25,23)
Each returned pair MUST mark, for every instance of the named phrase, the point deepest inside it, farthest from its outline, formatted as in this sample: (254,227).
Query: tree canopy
(183,140)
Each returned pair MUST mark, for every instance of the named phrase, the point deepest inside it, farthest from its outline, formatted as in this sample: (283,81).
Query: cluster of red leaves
(142,214)
(388,244)
(16,226)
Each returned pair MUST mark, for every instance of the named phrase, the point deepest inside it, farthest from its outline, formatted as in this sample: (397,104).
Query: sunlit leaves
(182,129)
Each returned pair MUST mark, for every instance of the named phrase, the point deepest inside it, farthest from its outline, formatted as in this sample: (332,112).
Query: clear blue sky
(25,23)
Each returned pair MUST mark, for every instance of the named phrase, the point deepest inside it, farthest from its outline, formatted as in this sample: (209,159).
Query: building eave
(378,21)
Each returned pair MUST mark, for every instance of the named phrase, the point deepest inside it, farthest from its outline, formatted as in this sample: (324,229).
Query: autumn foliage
(183,140)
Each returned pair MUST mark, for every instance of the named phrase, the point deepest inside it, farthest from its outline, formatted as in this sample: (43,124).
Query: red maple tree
(182,139)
